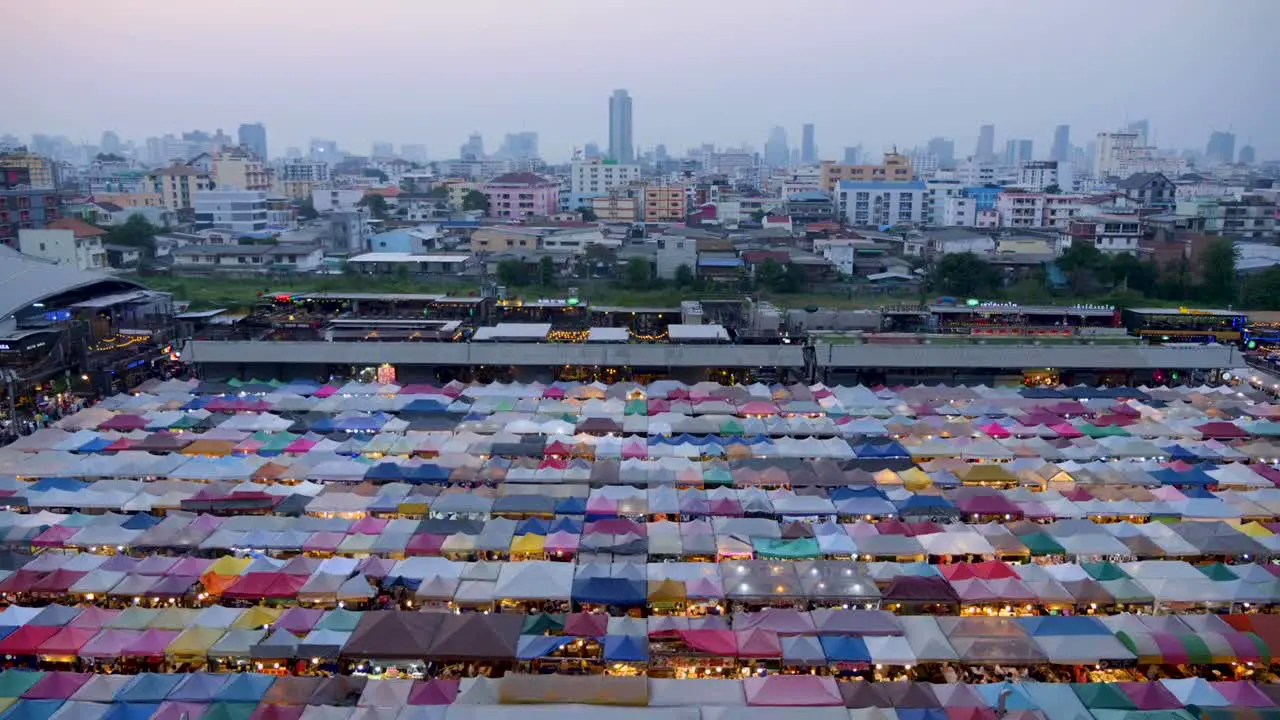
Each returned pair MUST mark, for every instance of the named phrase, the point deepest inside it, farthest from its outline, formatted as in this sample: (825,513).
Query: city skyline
(521,87)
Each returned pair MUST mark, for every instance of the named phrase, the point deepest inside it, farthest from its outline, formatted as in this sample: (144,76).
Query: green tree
(794,279)
(439,192)
(307,210)
(1261,291)
(588,215)
(475,200)
(599,260)
(1081,262)
(1175,281)
(375,173)
(136,232)
(1053,190)
(513,273)
(769,274)
(1127,271)
(1218,268)
(964,274)
(546,272)
(637,274)
(377,205)
(684,276)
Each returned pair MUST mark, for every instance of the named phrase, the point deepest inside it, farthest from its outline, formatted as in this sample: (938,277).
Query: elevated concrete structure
(1081,357)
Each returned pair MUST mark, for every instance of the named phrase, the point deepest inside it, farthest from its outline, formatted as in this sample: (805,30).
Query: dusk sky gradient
(866,72)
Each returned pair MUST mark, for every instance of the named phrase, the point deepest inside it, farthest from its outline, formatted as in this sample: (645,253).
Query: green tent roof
(1104,571)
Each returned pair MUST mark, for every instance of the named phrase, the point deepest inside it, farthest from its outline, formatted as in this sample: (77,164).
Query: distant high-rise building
(414,153)
(520,145)
(1017,152)
(325,151)
(660,153)
(1248,155)
(986,150)
(110,142)
(944,149)
(1061,150)
(591,151)
(776,152)
(383,149)
(1221,147)
(852,154)
(473,147)
(1143,130)
(808,147)
(293,153)
(254,137)
(621,145)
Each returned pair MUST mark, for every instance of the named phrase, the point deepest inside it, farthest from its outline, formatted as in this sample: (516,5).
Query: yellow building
(896,168)
(296,189)
(505,239)
(130,200)
(39,167)
(234,168)
(177,185)
(664,203)
(617,207)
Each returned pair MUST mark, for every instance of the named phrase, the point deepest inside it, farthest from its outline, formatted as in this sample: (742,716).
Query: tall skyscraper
(473,147)
(944,149)
(520,145)
(1143,129)
(776,152)
(325,151)
(621,145)
(1221,148)
(110,142)
(851,154)
(254,137)
(1248,155)
(382,149)
(986,150)
(808,148)
(591,151)
(1061,150)
(414,153)
(1017,152)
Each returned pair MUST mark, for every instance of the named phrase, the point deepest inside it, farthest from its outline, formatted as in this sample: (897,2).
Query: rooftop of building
(179,170)
(878,185)
(521,178)
(79,228)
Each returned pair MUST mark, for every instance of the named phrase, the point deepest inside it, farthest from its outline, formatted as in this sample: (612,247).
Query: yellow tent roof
(229,565)
(5,702)
(173,618)
(915,479)
(1255,529)
(256,617)
(528,544)
(194,642)
(887,477)
(988,473)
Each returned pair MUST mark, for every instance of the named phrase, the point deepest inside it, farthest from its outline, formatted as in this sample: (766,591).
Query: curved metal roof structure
(25,280)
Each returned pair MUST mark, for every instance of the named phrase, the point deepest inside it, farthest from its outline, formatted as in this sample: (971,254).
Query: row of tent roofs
(33,695)
(797,639)
(637,584)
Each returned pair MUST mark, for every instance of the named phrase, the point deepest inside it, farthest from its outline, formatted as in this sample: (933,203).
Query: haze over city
(870,74)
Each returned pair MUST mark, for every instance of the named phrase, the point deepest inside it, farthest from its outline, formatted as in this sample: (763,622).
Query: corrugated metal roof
(25,280)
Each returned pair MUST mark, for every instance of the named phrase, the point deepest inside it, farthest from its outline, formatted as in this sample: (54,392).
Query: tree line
(1083,271)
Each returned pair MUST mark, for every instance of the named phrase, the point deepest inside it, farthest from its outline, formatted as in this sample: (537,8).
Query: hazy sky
(869,72)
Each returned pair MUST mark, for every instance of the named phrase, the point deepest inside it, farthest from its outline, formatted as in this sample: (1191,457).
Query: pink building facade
(523,194)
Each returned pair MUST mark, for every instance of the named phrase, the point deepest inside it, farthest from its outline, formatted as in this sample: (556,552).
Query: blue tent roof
(571,506)
(610,591)
(1177,452)
(428,474)
(323,424)
(425,406)
(537,526)
(886,450)
(921,713)
(246,687)
(97,444)
(858,491)
(626,648)
(148,688)
(131,711)
(1060,625)
(845,648)
(32,710)
(1019,698)
(140,521)
(386,471)
(198,687)
(58,483)
(1190,478)
(571,525)
(1040,393)
(925,503)
(531,647)
(196,403)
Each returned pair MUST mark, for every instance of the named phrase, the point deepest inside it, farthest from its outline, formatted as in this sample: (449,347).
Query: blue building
(984,196)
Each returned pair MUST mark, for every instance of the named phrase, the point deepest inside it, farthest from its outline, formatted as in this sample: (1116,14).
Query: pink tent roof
(635,450)
(425,544)
(110,643)
(300,445)
(190,566)
(758,643)
(758,407)
(325,391)
(368,526)
(299,620)
(58,686)
(324,541)
(1243,694)
(561,541)
(56,536)
(792,691)
(584,624)
(553,393)
(151,643)
(1066,430)
(1150,695)
(174,710)
(433,692)
(94,617)
(995,430)
(720,643)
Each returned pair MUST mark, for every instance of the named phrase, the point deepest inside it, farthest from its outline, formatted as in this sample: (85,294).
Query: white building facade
(236,211)
(595,177)
(880,203)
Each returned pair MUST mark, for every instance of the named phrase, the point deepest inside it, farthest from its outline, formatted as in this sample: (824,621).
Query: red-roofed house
(68,241)
(522,194)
